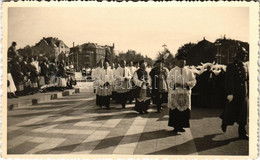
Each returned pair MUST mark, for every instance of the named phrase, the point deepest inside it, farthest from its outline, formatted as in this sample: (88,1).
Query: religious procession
(224,85)
(169,88)
(130,80)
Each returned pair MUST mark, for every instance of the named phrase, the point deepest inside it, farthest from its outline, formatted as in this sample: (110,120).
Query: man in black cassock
(159,86)
(207,87)
(17,74)
(142,81)
(237,92)
(26,72)
(45,71)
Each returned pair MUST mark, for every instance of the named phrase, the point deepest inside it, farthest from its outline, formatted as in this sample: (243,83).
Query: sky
(142,29)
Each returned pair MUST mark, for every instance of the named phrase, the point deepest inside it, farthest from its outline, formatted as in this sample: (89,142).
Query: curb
(41,99)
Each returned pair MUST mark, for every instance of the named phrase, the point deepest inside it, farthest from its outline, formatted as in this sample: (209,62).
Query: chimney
(73,44)
(113,45)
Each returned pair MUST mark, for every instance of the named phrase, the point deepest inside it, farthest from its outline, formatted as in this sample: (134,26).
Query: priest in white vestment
(123,77)
(96,78)
(104,89)
(180,80)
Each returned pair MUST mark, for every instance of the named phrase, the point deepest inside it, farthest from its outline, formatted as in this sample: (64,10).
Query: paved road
(74,125)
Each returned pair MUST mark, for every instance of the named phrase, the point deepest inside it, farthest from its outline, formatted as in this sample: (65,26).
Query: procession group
(172,86)
(28,75)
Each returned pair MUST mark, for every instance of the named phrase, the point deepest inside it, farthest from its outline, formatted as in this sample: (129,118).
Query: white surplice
(181,76)
(95,77)
(132,70)
(104,76)
(123,76)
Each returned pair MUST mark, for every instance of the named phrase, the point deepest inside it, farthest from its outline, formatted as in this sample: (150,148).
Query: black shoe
(175,131)
(224,127)
(244,137)
(181,130)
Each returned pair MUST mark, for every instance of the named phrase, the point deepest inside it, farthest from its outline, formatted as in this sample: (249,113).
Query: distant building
(222,51)
(89,54)
(227,49)
(204,51)
(52,48)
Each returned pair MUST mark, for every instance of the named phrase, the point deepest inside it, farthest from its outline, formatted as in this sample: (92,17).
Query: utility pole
(78,61)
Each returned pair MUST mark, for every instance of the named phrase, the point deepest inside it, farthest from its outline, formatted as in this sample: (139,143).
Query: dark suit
(159,96)
(11,53)
(236,110)
(44,72)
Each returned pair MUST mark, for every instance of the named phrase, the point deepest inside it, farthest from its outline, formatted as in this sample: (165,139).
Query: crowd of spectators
(28,75)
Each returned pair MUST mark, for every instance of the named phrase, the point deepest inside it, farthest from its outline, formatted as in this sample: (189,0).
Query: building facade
(88,55)
(227,49)
(222,51)
(52,48)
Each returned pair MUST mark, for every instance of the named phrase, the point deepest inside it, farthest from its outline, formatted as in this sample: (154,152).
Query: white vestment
(132,70)
(95,77)
(183,76)
(123,76)
(104,76)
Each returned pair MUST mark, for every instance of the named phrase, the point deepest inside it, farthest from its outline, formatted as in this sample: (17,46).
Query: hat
(181,57)
(14,43)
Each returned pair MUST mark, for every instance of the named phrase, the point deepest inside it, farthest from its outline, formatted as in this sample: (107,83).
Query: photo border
(253,69)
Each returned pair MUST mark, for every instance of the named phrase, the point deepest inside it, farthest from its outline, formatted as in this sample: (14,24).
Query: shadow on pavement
(199,112)
(203,143)
(113,141)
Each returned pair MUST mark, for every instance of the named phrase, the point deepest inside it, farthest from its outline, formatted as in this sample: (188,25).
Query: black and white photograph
(168,79)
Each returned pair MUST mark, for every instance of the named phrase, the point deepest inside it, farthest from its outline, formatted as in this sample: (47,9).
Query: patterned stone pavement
(74,125)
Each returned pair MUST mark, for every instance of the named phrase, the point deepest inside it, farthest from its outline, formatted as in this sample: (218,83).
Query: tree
(185,49)
(167,56)
(132,55)
(26,51)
